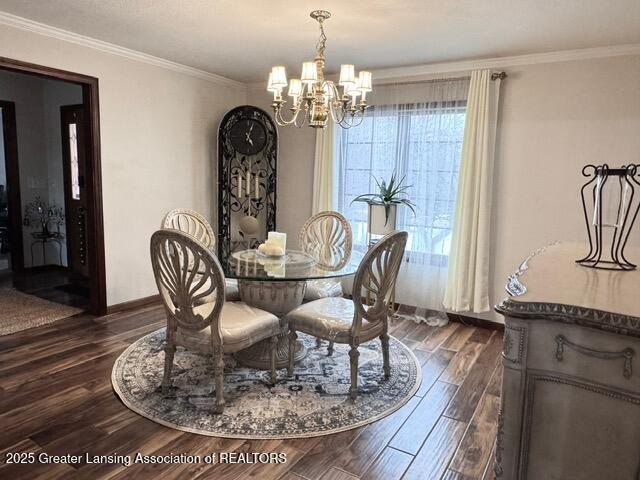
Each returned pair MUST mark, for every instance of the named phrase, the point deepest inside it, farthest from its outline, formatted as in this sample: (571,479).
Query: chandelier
(314,99)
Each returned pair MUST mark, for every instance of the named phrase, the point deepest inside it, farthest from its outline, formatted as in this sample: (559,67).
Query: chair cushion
(331,319)
(241,326)
(322,288)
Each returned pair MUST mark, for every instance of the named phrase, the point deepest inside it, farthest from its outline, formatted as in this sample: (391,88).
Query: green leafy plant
(392,193)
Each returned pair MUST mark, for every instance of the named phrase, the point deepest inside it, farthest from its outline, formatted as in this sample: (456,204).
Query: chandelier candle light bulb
(313,98)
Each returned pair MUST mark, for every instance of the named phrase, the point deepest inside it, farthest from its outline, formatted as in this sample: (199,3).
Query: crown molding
(381,76)
(67,36)
(416,72)
(389,74)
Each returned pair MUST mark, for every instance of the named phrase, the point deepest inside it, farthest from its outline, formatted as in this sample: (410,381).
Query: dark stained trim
(95,225)
(475,321)
(134,304)
(12,167)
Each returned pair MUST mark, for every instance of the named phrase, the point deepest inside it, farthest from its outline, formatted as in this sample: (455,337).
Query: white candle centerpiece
(275,245)
(278,239)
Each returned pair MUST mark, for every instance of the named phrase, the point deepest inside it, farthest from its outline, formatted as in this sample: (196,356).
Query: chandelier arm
(360,117)
(350,122)
(337,112)
(280,120)
(337,115)
(304,118)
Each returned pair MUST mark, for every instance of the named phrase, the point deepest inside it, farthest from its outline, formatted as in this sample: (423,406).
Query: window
(422,141)
(73,164)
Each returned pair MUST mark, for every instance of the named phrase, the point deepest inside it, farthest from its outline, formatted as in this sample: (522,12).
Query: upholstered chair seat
(192,287)
(241,326)
(322,288)
(331,318)
(194,224)
(351,321)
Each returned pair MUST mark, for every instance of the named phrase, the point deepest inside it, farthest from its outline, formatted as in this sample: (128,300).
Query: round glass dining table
(278,285)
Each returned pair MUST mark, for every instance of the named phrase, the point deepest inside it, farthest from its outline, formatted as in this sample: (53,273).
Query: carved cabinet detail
(571,386)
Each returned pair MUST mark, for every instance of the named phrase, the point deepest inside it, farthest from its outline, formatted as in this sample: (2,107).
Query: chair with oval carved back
(327,237)
(192,287)
(191,222)
(353,322)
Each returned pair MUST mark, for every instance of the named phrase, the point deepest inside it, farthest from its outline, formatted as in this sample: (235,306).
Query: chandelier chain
(322,41)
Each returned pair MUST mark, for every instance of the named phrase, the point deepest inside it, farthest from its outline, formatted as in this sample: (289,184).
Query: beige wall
(554,119)
(158,131)
(158,135)
(295,168)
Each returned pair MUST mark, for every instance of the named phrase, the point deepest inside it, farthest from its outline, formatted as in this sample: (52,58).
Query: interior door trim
(9,131)
(93,174)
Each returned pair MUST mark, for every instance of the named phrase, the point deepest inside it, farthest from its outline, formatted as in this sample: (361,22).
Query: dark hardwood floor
(51,283)
(56,397)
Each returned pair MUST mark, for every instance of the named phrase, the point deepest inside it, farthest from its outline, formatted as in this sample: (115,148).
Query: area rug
(19,311)
(313,402)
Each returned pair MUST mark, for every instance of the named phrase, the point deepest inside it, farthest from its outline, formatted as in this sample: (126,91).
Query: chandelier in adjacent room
(314,99)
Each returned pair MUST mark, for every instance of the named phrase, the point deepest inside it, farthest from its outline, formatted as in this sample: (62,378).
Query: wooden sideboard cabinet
(571,386)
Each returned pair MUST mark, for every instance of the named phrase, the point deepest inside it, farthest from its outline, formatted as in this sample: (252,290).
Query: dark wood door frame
(9,131)
(95,225)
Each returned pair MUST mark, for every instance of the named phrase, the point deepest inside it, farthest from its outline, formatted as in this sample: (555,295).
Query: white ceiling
(242,39)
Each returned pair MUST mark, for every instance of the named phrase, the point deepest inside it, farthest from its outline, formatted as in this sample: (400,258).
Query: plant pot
(379,223)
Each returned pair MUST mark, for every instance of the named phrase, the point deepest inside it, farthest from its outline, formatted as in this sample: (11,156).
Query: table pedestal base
(279,298)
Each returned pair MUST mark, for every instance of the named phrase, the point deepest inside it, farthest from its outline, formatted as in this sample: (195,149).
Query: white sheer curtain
(468,284)
(415,130)
(323,191)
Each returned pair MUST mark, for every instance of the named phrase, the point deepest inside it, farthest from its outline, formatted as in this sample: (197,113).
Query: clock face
(248,136)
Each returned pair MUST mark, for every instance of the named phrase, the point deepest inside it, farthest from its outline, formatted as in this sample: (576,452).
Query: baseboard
(133,304)
(453,317)
(475,321)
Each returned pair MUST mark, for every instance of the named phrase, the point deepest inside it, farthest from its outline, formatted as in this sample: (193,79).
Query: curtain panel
(323,171)
(468,276)
(415,130)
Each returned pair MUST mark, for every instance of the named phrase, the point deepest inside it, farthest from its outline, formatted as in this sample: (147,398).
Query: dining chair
(192,287)
(194,224)
(327,237)
(353,322)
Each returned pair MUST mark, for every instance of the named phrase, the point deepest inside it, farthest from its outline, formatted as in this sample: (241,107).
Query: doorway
(11,256)
(64,246)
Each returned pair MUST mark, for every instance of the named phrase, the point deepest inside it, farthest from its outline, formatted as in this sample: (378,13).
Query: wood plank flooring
(56,397)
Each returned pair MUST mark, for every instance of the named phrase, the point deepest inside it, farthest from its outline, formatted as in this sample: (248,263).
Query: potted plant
(384,203)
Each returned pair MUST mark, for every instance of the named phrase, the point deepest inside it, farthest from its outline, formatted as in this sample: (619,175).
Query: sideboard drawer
(590,354)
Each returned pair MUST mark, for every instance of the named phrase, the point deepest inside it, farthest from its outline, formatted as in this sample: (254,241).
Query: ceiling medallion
(314,99)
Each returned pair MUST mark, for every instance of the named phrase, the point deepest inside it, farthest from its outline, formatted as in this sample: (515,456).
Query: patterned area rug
(314,402)
(19,311)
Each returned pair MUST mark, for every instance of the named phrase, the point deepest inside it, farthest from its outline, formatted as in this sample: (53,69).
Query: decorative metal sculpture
(247,156)
(615,207)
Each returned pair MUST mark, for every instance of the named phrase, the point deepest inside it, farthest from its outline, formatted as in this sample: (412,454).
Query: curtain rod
(494,76)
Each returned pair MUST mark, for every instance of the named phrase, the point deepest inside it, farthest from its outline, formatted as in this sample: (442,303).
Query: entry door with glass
(73,121)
